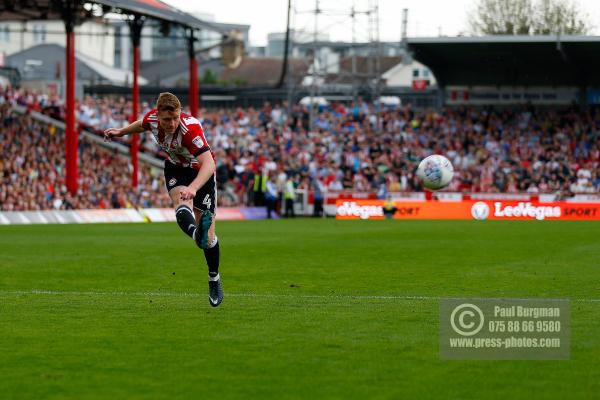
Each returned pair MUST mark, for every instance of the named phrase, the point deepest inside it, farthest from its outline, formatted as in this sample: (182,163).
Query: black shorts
(206,197)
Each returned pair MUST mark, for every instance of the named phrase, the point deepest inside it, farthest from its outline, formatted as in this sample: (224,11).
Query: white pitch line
(188,294)
(258,295)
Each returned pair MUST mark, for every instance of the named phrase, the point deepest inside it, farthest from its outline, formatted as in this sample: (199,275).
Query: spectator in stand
(289,196)
(271,195)
(318,188)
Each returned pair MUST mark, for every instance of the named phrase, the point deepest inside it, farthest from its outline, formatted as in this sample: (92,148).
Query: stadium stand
(32,172)
(510,150)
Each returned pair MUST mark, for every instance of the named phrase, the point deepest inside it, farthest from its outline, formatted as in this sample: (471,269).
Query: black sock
(212,260)
(186,220)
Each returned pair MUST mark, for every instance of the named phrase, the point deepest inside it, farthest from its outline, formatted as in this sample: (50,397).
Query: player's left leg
(211,250)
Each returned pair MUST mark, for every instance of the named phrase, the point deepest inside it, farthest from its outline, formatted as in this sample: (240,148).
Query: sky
(425,17)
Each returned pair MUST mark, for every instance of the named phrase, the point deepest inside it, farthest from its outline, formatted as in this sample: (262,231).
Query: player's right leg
(183,212)
(175,179)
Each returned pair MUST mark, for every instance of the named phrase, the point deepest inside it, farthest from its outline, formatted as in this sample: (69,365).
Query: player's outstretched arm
(135,127)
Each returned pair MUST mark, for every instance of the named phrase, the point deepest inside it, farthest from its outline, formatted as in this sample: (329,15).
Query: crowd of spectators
(32,171)
(356,147)
(524,150)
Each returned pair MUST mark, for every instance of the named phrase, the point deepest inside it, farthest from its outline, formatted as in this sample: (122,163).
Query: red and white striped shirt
(184,145)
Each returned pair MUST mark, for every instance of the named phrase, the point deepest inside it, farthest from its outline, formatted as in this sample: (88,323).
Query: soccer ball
(435,172)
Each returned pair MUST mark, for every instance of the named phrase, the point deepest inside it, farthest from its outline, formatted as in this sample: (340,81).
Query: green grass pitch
(313,309)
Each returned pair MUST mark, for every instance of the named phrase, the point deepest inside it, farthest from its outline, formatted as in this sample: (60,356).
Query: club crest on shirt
(172,182)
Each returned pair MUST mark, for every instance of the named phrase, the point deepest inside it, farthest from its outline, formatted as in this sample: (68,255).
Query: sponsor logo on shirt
(198,142)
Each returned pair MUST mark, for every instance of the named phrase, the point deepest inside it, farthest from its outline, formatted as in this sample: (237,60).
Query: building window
(6,33)
(39,33)
(415,73)
(118,59)
(425,73)
(118,47)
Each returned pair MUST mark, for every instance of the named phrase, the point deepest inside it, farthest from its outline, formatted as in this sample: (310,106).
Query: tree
(560,17)
(528,17)
(502,17)
(209,77)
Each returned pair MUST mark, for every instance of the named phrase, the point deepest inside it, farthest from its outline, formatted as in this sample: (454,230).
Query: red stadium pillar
(135,26)
(193,89)
(71,134)
(135,106)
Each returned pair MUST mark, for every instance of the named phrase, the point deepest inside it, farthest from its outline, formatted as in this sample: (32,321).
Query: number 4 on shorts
(207,201)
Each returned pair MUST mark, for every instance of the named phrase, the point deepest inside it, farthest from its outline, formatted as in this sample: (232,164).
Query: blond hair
(167,102)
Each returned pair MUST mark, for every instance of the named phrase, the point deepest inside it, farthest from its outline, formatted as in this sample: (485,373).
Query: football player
(189,177)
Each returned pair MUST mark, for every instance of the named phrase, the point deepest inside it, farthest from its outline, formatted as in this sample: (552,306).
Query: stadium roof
(510,60)
(52,9)
(159,10)
(49,55)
